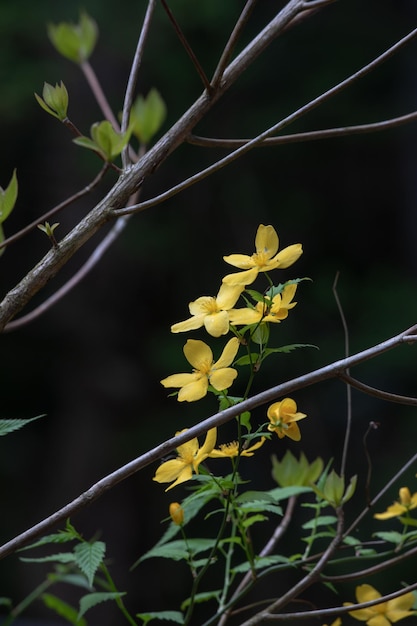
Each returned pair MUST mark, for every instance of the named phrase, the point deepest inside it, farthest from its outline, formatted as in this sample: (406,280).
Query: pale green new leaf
(91,600)
(199,598)
(261,563)
(74,41)
(60,537)
(323,520)
(169,616)
(147,116)
(63,609)
(10,425)
(8,198)
(89,557)
(61,557)
(390,536)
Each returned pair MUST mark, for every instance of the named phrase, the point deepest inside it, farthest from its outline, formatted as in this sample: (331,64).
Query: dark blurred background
(93,363)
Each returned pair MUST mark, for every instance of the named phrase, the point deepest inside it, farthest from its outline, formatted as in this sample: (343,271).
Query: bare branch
(102,486)
(133,76)
(95,87)
(233,39)
(95,257)
(314,135)
(377,393)
(192,180)
(76,196)
(187,47)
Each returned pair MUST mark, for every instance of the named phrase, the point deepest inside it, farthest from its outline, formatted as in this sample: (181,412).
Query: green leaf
(170,616)
(261,334)
(60,537)
(5,602)
(283,493)
(261,562)
(253,519)
(62,609)
(147,116)
(275,290)
(91,600)
(390,536)
(178,550)
(324,520)
(247,359)
(61,557)
(89,557)
(287,349)
(255,496)
(76,42)
(199,598)
(8,198)
(9,426)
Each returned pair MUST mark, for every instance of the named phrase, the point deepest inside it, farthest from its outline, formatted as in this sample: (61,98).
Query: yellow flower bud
(177,513)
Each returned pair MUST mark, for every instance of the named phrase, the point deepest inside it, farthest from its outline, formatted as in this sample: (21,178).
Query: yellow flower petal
(241,278)
(223,378)
(217,324)
(228,354)
(193,323)
(198,354)
(179,380)
(288,255)
(242,261)
(228,296)
(193,391)
(266,240)
(240,317)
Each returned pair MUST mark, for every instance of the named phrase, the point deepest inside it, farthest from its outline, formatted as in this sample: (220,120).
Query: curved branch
(270,131)
(377,393)
(93,259)
(102,486)
(314,135)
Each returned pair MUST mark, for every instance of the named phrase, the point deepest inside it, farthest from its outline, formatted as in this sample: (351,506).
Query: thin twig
(378,393)
(311,577)
(76,196)
(161,450)
(187,47)
(270,131)
(94,258)
(315,135)
(348,389)
(382,491)
(233,39)
(99,95)
(133,76)
(266,550)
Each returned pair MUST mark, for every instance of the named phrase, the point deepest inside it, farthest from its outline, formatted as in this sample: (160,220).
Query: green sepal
(147,116)
(76,42)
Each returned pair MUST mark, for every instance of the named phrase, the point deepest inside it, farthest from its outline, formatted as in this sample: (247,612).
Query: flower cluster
(219,315)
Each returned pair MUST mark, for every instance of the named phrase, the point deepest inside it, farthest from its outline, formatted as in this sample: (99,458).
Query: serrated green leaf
(91,600)
(62,609)
(89,557)
(60,557)
(256,507)
(253,519)
(283,493)
(178,550)
(247,359)
(255,496)
(287,349)
(199,598)
(261,563)
(60,537)
(261,334)
(9,426)
(8,198)
(170,616)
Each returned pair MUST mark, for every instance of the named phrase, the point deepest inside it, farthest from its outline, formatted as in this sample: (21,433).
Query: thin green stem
(119,601)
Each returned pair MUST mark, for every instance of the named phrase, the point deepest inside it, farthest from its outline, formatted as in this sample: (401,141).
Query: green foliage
(8,199)
(63,609)
(170,616)
(54,100)
(104,140)
(147,116)
(89,557)
(76,42)
(10,425)
(91,600)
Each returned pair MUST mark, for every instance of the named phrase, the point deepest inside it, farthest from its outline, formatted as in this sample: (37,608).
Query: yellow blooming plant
(283,417)
(406,503)
(385,613)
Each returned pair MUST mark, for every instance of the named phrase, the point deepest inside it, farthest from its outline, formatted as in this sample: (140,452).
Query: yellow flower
(264,259)
(176,513)
(382,614)
(212,313)
(337,622)
(284,417)
(194,386)
(189,458)
(406,503)
(273,310)
(231,449)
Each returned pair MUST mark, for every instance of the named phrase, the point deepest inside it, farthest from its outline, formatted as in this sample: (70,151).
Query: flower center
(210,306)
(260,258)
